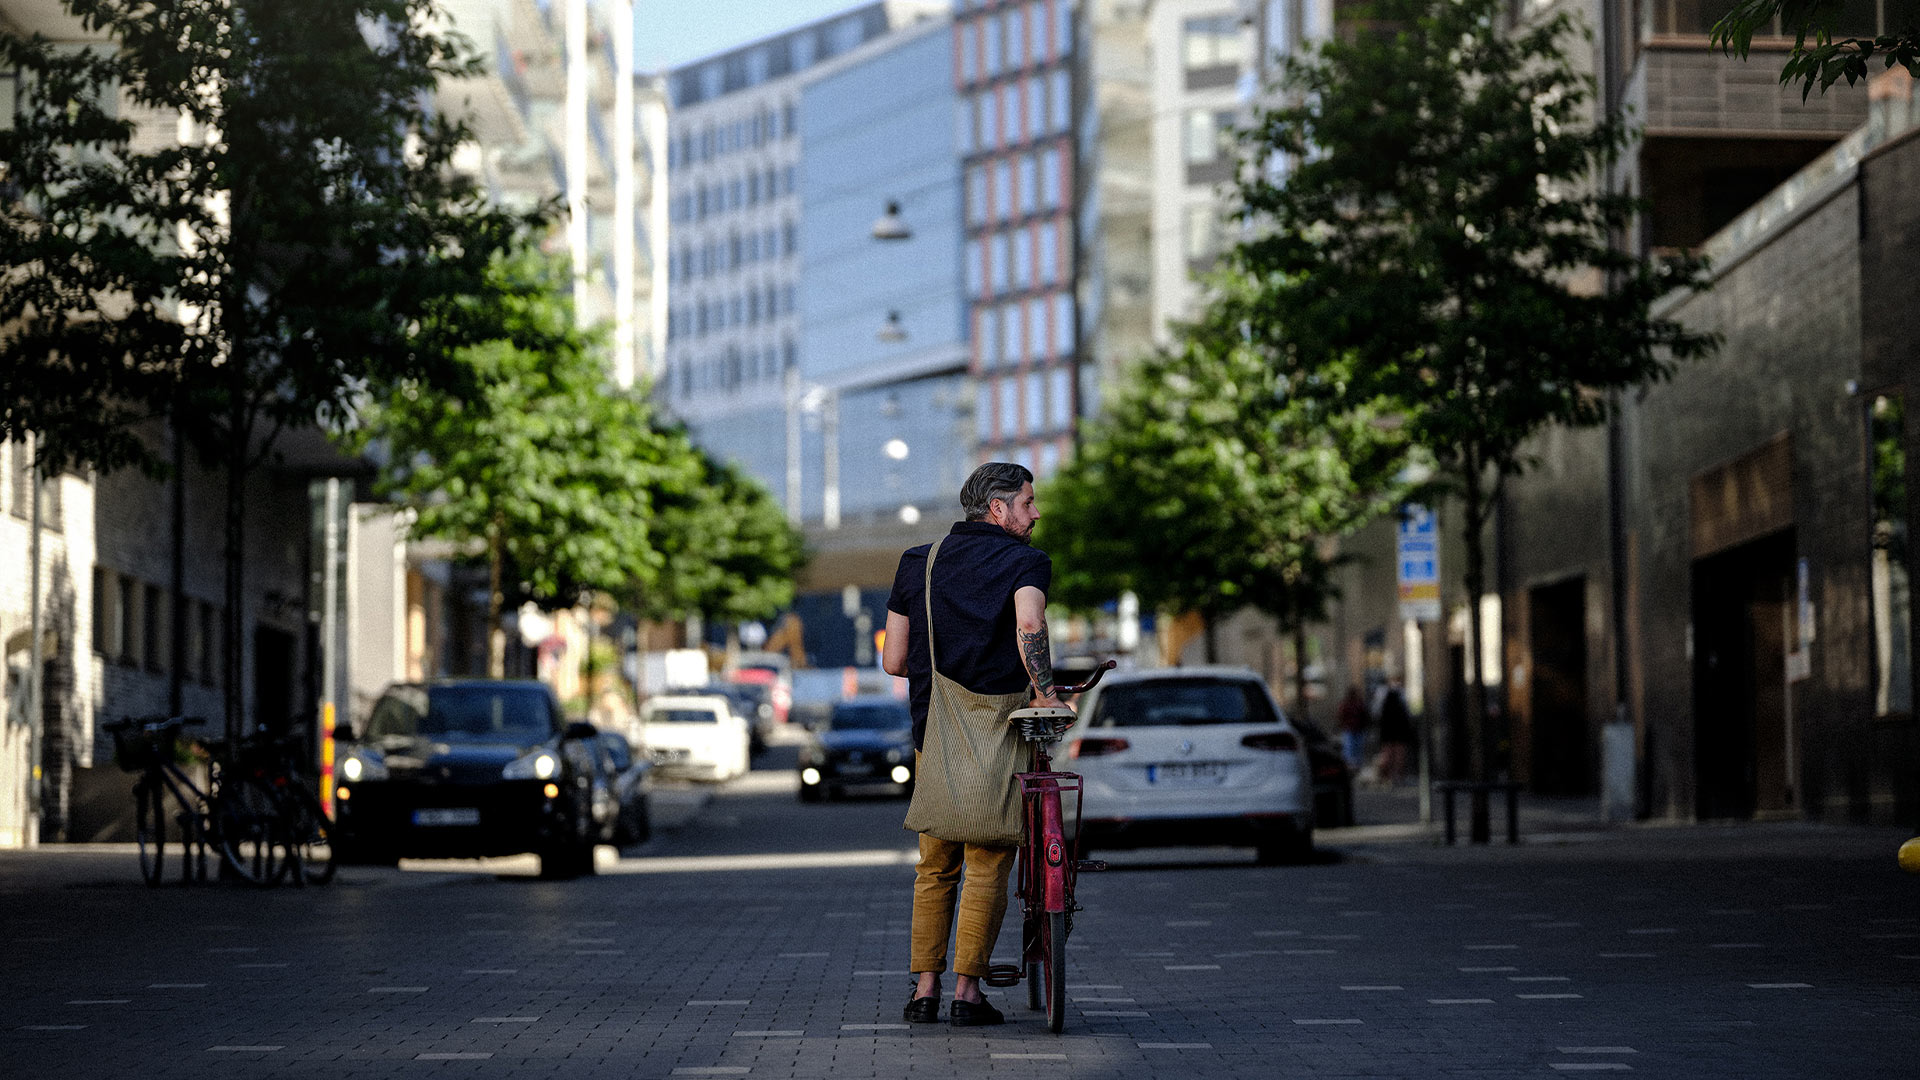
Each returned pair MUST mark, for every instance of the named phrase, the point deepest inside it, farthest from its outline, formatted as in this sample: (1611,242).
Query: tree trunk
(1478,736)
(496,634)
(233,655)
(177,573)
(1300,670)
(1209,633)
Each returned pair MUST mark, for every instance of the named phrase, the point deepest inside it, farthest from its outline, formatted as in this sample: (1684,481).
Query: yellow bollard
(1910,856)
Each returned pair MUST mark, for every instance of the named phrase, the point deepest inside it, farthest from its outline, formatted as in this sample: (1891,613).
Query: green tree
(1825,59)
(730,552)
(557,476)
(1439,240)
(296,244)
(1206,488)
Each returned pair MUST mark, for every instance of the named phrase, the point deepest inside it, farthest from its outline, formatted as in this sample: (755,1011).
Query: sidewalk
(1392,815)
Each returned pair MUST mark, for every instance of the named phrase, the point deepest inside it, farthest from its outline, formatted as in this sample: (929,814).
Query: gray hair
(994,480)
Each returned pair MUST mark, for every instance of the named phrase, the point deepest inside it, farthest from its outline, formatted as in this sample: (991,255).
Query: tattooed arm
(1036,652)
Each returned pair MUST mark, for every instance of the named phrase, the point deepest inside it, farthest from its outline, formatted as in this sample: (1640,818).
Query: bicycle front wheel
(150,830)
(245,823)
(1053,965)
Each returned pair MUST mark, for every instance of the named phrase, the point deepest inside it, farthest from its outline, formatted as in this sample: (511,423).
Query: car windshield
(683,716)
(512,713)
(878,716)
(1182,703)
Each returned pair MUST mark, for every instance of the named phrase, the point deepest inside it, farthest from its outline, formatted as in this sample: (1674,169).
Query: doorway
(1561,741)
(273,652)
(1741,607)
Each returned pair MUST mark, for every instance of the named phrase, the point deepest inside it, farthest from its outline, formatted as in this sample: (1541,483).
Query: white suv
(1191,757)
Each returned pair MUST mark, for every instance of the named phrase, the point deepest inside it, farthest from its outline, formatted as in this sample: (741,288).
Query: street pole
(36,656)
(830,468)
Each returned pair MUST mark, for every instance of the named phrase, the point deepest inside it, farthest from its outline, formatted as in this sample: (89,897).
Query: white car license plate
(462,815)
(1188,772)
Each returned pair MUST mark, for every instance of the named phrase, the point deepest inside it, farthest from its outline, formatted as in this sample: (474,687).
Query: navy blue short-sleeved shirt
(979,568)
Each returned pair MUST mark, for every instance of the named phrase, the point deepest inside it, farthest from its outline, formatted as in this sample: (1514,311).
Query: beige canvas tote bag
(965,792)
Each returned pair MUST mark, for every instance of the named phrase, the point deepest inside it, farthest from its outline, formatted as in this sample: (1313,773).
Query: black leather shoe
(924,1010)
(974,1014)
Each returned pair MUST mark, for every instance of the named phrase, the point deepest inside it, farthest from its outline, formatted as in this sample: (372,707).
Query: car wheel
(642,824)
(571,861)
(1293,849)
(810,793)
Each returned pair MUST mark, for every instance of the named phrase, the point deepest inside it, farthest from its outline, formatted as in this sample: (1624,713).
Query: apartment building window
(992,28)
(1062,27)
(1209,135)
(1060,398)
(1009,403)
(199,632)
(790,239)
(1000,263)
(1052,177)
(1213,42)
(1036,320)
(1064,338)
(1036,402)
(106,621)
(967,37)
(1003,189)
(976,281)
(1029,183)
(1062,99)
(153,636)
(1201,242)
(976,195)
(983,410)
(127,646)
(1050,271)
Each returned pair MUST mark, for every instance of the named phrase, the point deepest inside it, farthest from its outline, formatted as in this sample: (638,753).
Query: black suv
(470,768)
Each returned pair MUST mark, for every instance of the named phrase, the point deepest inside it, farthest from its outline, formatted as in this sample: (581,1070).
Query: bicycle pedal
(1003,975)
(1086,866)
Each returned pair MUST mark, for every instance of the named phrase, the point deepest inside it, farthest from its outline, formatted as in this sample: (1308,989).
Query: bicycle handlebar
(1081,688)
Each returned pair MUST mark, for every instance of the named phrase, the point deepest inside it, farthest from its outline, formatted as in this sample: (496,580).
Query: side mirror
(580,729)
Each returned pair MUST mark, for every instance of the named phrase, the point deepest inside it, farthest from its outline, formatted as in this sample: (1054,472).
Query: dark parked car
(1332,779)
(867,740)
(633,784)
(469,768)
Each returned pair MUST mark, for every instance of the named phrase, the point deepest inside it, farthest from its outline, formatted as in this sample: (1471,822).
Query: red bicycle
(1049,863)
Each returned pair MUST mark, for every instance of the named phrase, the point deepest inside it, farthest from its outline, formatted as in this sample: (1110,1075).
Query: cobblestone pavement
(764,938)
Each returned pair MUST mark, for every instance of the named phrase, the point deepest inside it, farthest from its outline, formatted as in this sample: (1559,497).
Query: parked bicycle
(272,764)
(255,811)
(1049,865)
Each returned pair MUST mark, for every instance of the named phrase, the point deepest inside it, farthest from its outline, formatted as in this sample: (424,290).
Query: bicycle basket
(1042,725)
(135,747)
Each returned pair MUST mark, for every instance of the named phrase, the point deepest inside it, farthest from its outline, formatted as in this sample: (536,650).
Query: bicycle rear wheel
(1053,966)
(150,830)
(245,822)
(309,839)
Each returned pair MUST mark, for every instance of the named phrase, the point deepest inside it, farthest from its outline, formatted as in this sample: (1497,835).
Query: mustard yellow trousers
(982,903)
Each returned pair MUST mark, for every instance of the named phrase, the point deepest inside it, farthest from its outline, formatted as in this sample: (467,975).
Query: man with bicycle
(967,627)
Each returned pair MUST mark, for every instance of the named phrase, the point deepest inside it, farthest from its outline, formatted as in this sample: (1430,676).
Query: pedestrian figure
(967,626)
(1396,733)
(1353,719)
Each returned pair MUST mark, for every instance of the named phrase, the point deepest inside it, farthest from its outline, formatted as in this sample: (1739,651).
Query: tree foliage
(571,485)
(236,214)
(1439,241)
(1206,488)
(731,554)
(299,242)
(1818,57)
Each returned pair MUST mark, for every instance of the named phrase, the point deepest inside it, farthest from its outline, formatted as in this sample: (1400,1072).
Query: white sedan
(695,736)
(1190,757)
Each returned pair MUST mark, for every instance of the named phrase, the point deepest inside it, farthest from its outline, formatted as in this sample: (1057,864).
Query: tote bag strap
(933,660)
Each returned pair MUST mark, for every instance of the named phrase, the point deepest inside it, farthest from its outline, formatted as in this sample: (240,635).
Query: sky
(668,33)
